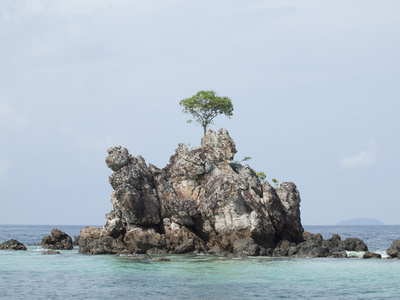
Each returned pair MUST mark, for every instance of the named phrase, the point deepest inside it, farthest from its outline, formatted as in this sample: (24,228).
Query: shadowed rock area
(12,245)
(201,201)
(394,249)
(57,240)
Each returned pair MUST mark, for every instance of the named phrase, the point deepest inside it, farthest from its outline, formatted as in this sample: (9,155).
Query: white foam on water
(358,254)
(383,254)
(37,250)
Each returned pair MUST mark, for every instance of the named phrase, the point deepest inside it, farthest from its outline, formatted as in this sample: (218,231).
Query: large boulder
(355,244)
(12,245)
(92,242)
(201,201)
(58,240)
(394,249)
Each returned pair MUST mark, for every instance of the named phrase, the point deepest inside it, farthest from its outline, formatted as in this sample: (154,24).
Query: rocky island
(203,201)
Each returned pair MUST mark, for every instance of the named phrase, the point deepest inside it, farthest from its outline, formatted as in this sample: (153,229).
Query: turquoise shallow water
(31,275)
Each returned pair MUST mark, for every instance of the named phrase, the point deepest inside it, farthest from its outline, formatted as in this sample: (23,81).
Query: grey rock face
(134,198)
(200,201)
(394,249)
(57,240)
(12,245)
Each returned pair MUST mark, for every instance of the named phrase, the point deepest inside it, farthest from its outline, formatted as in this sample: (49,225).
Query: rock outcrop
(58,240)
(315,246)
(12,245)
(355,244)
(200,201)
(394,250)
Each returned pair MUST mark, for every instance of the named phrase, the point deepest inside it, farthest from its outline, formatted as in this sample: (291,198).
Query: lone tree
(205,106)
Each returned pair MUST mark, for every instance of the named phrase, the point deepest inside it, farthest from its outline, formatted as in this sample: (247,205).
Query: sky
(315,87)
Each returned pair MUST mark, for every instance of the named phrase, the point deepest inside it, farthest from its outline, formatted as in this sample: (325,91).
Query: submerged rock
(160,258)
(57,240)
(12,245)
(50,252)
(369,254)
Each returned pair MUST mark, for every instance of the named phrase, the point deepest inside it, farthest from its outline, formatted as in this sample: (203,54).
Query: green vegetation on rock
(205,106)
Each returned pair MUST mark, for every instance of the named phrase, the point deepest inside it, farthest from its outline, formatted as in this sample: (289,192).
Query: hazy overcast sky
(315,86)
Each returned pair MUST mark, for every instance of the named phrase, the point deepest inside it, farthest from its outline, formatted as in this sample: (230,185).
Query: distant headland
(361,221)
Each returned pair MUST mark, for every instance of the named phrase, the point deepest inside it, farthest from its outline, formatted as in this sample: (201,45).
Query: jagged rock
(371,255)
(334,241)
(337,253)
(134,198)
(185,247)
(91,242)
(313,238)
(50,252)
(76,240)
(283,248)
(313,246)
(57,240)
(246,246)
(12,245)
(200,201)
(140,240)
(394,249)
(355,244)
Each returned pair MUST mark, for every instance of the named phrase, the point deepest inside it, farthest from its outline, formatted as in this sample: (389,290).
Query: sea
(70,275)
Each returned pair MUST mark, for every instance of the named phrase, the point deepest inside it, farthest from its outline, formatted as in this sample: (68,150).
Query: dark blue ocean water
(70,275)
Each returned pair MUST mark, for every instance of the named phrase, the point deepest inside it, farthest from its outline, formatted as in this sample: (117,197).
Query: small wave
(383,254)
(37,250)
(358,254)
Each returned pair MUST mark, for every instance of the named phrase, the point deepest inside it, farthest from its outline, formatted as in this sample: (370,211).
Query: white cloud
(363,159)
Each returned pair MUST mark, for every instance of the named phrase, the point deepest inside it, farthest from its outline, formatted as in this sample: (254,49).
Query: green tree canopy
(205,106)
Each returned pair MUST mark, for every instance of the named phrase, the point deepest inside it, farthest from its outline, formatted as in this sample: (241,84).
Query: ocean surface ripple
(70,275)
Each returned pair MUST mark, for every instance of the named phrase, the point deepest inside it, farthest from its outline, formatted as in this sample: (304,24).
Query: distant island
(361,221)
